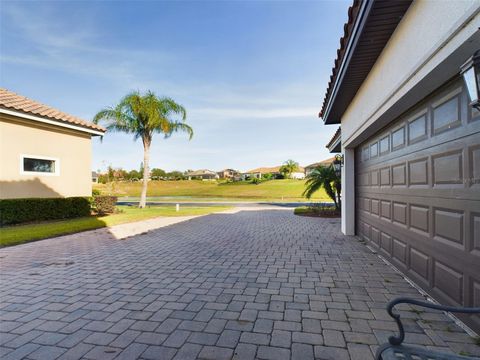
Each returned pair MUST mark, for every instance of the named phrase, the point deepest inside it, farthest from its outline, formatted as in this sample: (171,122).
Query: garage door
(418,196)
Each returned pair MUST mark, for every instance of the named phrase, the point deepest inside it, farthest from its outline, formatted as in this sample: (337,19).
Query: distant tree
(324,176)
(157,173)
(143,116)
(288,168)
(110,173)
(120,174)
(176,175)
(134,175)
(103,178)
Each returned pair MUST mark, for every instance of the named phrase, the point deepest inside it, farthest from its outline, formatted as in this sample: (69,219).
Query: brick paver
(252,284)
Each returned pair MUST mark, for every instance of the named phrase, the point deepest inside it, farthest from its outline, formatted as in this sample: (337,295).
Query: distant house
(311,167)
(44,152)
(275,171)
(259,172)
(203,174)
(229,174)
(94,177)
(299,174)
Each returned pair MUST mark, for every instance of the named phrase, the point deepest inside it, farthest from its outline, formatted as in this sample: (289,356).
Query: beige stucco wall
(72,148)
(429,33)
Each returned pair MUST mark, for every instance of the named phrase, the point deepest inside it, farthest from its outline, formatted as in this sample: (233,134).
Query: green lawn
(13,235)
(273,190)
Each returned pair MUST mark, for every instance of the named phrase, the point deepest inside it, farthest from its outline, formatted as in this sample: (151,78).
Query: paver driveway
(255,284)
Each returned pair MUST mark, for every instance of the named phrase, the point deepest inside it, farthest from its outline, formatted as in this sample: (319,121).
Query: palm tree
(324,176)
(142,116)
(288,167)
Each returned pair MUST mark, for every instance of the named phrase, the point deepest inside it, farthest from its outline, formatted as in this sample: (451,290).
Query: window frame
(39,173)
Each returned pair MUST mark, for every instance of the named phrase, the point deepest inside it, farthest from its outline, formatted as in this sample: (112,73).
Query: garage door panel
(447,169)
(400,251)
(448,281)
(399,175)
(475,299)
(399,213)
(475,233)
(448,227)
(474,165)
(419,218)
(418,196)
(420,263)
(418,170)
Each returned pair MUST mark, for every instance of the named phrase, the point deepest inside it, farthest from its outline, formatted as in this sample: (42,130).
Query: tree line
(120,174)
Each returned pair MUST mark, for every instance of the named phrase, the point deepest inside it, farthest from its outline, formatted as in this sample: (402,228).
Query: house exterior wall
(425,51)
(430,33)
(410,144)
(71,148)
(297,175)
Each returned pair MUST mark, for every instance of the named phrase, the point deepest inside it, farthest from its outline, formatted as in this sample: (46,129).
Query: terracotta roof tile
(323,162)
(334,137)
(12,101)
(267,170)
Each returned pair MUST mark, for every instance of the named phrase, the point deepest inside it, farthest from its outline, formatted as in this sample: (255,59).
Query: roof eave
(353,68)
(94,132)
(360,21)
(335,146)
(335,143)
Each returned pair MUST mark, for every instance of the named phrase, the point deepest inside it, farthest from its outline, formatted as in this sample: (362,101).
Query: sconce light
(471,75)
(337,164)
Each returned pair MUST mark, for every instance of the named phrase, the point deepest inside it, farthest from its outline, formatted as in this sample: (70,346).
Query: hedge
(103,204)
(15,211)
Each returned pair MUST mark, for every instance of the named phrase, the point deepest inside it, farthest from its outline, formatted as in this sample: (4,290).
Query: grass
(273,190)
(18,234)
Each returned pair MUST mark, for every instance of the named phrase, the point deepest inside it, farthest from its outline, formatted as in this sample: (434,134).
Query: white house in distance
(411,141)
(44,152)
(274,171)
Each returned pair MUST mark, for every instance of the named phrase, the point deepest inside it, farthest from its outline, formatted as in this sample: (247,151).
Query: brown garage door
(418,196)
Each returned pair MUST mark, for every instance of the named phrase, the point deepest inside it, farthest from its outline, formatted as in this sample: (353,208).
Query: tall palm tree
(288,167)
(143,115)
(324,176)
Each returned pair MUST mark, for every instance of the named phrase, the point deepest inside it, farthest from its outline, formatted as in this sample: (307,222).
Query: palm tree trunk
(146,172)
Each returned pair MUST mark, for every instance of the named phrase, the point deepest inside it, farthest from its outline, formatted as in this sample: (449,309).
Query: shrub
(320,210)
(255,181)
(103,204)
(16,211)
(95,192)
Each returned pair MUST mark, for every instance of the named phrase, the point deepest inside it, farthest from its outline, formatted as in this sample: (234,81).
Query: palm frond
(322,176)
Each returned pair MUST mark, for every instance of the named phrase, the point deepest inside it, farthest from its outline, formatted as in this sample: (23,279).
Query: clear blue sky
(251,74)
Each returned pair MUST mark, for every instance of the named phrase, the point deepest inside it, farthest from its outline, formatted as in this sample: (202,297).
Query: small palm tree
(324,176)
(142,116)
(288,167)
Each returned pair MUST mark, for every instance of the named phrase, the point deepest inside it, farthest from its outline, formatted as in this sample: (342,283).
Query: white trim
(39,173)
(348,192)
(51,122)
